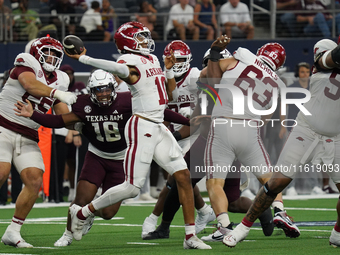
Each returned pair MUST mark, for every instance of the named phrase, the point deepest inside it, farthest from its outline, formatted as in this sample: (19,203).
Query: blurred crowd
(96,20)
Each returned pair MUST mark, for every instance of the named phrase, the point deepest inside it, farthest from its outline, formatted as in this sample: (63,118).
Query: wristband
(169,73)
(52,93)
(215,54)
(76,135)
(177,135)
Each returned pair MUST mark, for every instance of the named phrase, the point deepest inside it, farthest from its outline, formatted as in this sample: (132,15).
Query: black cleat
(159,233)
(267,224)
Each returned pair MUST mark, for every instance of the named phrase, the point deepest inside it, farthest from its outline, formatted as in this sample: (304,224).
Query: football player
(235,138)
(318,143)
(35,76)
(145,132)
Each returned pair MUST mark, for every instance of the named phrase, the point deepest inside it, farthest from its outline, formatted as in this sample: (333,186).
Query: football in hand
(73,45)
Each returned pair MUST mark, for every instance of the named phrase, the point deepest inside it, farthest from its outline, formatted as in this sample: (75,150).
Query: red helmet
(181,51)
(43,48)
(273,54)
(131,35)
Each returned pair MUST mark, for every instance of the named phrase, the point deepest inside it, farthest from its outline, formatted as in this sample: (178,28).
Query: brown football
(73,45)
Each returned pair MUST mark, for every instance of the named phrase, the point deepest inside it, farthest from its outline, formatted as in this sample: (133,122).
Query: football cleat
(65,240)
(13,238)
(334,239)
(218,235)
(195,243)
(159,233)
(236,236)
(149,225)
(203,219)
(76,223)
(267,224)
(282,220)
(88,224)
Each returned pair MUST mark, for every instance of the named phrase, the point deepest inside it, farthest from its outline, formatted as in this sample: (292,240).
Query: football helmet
(272,54)
(322,46)
(223,54)
(181,51)
(42,49)
(130,37)
(102,82)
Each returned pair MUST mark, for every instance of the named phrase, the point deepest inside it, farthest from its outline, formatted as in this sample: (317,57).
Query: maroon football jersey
(104,126)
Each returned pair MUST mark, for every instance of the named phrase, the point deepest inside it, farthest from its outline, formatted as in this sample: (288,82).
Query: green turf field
(122,235)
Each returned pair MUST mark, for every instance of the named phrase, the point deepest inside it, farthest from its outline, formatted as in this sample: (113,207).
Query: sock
(84,212)
(189,230)
(247,223)
(204,210)
(336,228)
(68,233)
(153,217)
(17,223)
(223,218)
(278,204)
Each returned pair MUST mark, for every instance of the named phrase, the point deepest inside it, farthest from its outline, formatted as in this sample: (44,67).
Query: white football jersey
(149,97)
(324,104)
(185,95)
(250,72)
(13,91)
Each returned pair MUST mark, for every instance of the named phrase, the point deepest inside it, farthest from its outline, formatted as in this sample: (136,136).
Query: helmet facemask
(180,68)
(140,38)
(103,95)
(45,52)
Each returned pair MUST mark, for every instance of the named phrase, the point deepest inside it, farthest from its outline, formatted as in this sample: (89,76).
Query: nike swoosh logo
(220,237)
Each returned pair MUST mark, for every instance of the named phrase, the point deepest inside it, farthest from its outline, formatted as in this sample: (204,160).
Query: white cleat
(88,224)
(13,238)
(203,219)
(65,240)
(218,235)
(195,243)
(334,239)
(149,225)
(76,223)
(236,236)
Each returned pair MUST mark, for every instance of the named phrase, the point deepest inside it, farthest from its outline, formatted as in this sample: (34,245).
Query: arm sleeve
(48,120)
(120,69)
(174,117)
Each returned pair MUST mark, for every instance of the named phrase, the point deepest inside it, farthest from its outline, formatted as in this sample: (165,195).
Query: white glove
(65,97)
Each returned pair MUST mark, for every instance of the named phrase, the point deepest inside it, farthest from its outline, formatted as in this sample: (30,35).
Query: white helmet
(322,46)
(223,55)
(181,51)
(102,81)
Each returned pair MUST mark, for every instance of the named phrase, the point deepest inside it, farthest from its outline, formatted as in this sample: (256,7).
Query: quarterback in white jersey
(184,96)
(34,77)
(146,136)
(238,136)
(315,139)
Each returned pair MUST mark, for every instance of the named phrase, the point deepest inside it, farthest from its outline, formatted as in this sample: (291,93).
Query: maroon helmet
(131,35)
(273,54)
(181,51)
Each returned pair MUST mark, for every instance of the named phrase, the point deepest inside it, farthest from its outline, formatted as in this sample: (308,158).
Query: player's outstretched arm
(46,120)
(38,89)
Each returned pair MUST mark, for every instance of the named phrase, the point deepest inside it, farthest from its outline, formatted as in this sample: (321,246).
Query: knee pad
(268,191)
